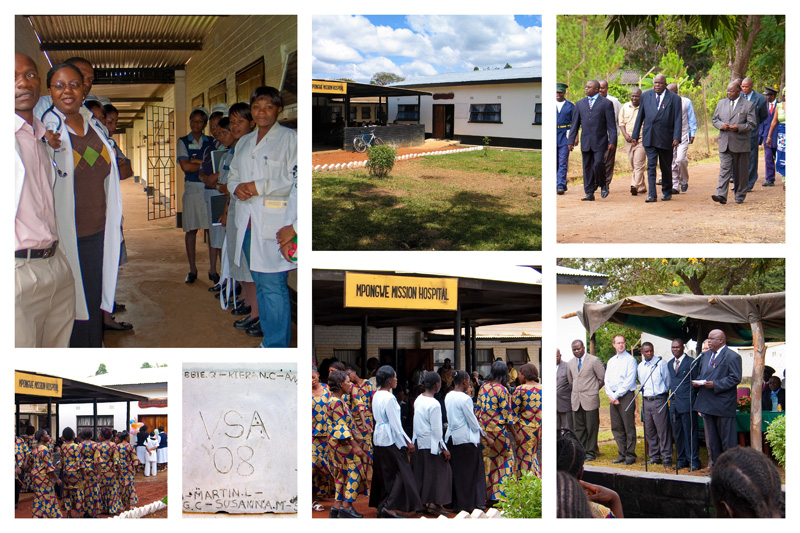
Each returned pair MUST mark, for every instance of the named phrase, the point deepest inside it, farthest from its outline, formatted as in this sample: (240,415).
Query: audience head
(335,380)
(499,373)
(570,454)
(745,484)
(529,372)
(87,71)
(384,376)
(572,501)
(432,381)
(68,434)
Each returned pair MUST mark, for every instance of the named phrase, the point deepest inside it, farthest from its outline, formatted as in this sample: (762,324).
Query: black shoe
(630,461)
(768,184)
(590,458)
(695,467)
(654,462)
(604,192)
(739,200)
(561,191)
(213,277)
(684,187)
(588,198)
(720,199)
(683,465)
(190,278)
(383,513)
(349,513)
(618,460)
(667,463)
(333,513)
(651,199)
(215,288)
(118,307)
(658,182)
(241,310)
(749,189)
(255,330)
(244,323)
(634,192)
(666,197)
(675,191)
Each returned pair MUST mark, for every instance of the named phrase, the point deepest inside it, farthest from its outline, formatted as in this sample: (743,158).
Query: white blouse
(428,424)
(388,427)
(462,425)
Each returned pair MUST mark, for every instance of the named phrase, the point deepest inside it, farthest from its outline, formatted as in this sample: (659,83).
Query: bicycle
(365,140)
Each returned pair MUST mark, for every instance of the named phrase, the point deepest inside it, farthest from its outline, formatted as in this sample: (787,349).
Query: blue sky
(356,47)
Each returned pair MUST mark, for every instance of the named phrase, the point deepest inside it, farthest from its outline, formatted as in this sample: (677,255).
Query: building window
(484,357)
(484,113)
(289,82)
(518,356)
(198,100)
(353,113)
(218,94)
(347,356)
(366,112)
(538,117)
(408,112)
(249,79)
(103,421)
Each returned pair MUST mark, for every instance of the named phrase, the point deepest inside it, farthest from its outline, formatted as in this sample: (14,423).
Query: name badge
(275,204)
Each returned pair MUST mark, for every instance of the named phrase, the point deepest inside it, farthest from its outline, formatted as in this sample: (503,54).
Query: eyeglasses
(60,86)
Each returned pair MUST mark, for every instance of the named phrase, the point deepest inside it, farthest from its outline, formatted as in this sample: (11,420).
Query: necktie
(591,103)
(580,360)
(677,364)
(771,107)
(713,358)
(733,104)
(658,101)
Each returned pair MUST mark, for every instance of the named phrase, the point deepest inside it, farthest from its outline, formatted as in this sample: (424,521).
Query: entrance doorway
(443,121)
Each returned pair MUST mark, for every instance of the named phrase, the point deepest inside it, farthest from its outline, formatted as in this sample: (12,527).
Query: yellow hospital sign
(37,385)
(399,292)
(330,87)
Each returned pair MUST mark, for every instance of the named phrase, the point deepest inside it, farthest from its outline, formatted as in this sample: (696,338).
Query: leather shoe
(675,191)
(651,199)
(561,191)
(630,461)
(190,278)
(604,192)
(588,198)
(749,189)
(683,465)
(349,513)
(768,184)
(684,187)
(668,463)
(654,462)
(255,330)
(244,323)
(383,513)
(333,513)
(618,460)
(721,199)
(634,192)
(241,310)
(739,201)
(666,197)
(658,182)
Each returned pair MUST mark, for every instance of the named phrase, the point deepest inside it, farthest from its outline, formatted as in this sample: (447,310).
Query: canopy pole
(457,337)
(467,343)
(756,384)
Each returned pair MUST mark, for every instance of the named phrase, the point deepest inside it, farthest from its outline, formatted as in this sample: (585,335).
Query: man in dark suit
(596,115)
(563,120)
(774,391)
(735,118)
(763,130)
(760,106)
(660,122)
(683,415)
(720,374)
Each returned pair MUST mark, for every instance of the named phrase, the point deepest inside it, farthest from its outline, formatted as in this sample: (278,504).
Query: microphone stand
(644,418)
(691,425)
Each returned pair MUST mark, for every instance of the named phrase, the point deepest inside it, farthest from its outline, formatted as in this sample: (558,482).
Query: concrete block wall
(397,136)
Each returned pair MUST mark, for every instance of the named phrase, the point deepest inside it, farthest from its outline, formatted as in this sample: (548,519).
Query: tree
(146,365)
(508,65)
(101,370)
(385,78)
(476,68)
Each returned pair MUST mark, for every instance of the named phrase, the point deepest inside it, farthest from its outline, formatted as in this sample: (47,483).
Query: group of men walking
(658,126)
(706,385)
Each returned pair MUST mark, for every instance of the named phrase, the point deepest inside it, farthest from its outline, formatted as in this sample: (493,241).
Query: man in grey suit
(760,106)
(735,118)
(586,374)
(720,375)
(563,394)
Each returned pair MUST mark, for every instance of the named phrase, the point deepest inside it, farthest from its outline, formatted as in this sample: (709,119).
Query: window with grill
(484,113)
(408,112)
(103,421)
(249,79)
(538,117)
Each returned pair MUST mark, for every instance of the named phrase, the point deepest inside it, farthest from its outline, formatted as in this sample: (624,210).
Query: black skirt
(393,486)
(469,477)
(89,333)
(433,477)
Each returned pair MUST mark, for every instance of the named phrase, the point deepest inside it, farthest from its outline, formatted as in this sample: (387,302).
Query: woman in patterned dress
(127,471)
(91,487)
(344,451)
(321,480)
(361,407)
(43,477)
(106,465)
(496,416)
(21,451)
(72,473)
(30,442)
(527,401)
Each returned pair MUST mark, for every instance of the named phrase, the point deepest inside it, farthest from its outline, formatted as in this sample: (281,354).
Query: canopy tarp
(684,315)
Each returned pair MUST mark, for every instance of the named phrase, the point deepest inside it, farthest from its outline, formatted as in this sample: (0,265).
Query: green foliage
(385,78)
(164,500)
(101,370)
(146,365)
(776,436)
(523,496)
(380,160)
(604,336)
(508,65)
(486,141)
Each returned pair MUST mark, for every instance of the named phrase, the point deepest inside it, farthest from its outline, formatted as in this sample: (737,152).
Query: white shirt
(271,164)
(659,380)
(462,424)
(620,375)
(388,427)
(428,424)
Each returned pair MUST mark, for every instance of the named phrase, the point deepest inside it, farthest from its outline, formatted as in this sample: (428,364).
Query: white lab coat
(65,214)
(272,165)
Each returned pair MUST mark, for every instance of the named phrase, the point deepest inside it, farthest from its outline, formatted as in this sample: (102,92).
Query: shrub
(776,436)
(486,141)
(523,496)
(380,160)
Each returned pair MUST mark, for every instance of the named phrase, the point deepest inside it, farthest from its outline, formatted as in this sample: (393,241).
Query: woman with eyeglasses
(88,204)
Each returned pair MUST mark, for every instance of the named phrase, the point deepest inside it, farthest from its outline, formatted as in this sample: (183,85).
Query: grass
(459,201)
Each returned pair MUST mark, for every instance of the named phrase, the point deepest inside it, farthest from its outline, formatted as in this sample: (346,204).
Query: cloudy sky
(357,47)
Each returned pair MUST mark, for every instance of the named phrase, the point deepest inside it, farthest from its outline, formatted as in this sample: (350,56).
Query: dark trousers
(564,420)
(587,425)
(658,157)
(623,426)
(687,438)
(594,171)
(562,155)
(89,333)
(469,477)
(769,163)
(733,165)
(656,428)
(393,486)
(753,167)
(720,434)
(610,158)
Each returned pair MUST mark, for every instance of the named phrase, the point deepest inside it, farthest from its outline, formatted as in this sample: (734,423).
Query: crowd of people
(468,436)
(68,226)
(79,475)
(658,126)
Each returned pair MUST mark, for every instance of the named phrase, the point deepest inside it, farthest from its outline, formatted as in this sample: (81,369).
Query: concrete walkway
(165,311)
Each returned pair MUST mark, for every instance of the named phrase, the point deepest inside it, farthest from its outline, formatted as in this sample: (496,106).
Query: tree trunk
(756,384)
(743,45)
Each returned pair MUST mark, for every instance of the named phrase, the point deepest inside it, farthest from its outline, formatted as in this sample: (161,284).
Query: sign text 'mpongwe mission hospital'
(400,292)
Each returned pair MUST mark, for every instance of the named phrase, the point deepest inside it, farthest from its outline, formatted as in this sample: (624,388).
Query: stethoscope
(60,173)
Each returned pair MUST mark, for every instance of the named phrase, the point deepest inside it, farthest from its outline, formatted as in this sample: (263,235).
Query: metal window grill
(160,184)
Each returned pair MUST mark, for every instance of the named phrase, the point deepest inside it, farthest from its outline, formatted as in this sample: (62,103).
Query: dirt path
(689,217)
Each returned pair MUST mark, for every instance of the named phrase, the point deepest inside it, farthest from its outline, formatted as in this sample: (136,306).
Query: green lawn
(459,201)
